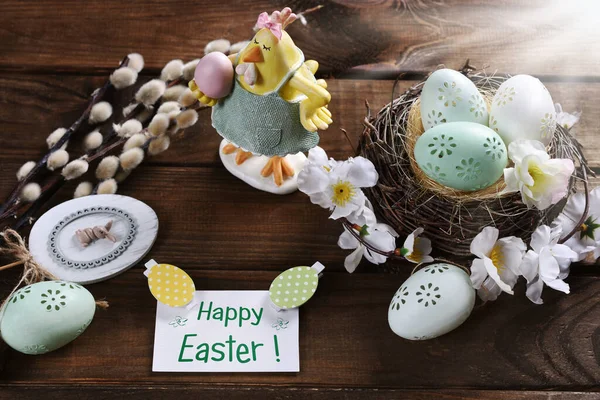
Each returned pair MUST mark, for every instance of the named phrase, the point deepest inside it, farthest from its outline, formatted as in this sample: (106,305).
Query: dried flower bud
(159,145)
(31,192)
(122,175)
(239,46)
(173,93)
(187,98)
(107,168)
(75,169)
(189,69)
(159,124)
(172,70)
(25,170)
(131,158)
(93,140)
(57,159)
(123,77)
(220,45)
(136,62)
(108,186)
(150,92)
(55,136)
(169,106)
(187,119)
(128,128)
(136,140)
(100,112)
(83,189)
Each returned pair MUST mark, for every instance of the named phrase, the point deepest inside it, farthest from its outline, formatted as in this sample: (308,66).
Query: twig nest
(100,112)
(107,168)
(57,159)
(159,124)
(220,45)
(150,92)
(136,140)
(189,68)
(123,77)
(108,186)
(186,119)
(75,169)
(31,192)
(136,62)
(239,46)
(172,71)
(131,158)
(83,189)
(55,136)
(173,93)
(93,140)
(25,170)
(159,145)
(128,128)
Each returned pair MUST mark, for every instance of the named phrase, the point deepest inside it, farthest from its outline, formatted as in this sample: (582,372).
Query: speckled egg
(461,155)
(449,96)
(522,108)
(432,302)
(44,316)
(294,287)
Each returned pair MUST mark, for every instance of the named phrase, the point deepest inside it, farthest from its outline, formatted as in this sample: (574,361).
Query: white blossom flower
(496,267)
(25,170)
(172,70)
(220,45)
(75,169)
(31,192)
(416,249)
(586,241)
(57,159)
(547,263)
(100,112)
(337,185)
(565,119)
(381,236)
(189,69)
(150,92)
(123,77)
(83,189)
(108,186)
(541,180)
(136,62)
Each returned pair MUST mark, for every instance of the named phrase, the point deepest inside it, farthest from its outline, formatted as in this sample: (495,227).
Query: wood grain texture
(537,37)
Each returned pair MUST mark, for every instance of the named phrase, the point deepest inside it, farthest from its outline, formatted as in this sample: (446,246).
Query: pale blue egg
(461,155)
(449,96)
(44,316)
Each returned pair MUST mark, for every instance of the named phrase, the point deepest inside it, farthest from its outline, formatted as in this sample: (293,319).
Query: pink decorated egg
(214,75)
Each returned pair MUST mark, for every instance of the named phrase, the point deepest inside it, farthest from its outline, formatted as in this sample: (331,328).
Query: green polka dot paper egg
(294,287)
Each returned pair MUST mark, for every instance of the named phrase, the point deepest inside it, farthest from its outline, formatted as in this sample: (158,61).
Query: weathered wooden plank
(345,340)
(515,36)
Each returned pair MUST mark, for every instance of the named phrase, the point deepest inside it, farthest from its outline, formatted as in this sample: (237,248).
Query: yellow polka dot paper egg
(170,285)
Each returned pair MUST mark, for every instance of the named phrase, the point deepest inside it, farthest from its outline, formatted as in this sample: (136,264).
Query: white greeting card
(226,331)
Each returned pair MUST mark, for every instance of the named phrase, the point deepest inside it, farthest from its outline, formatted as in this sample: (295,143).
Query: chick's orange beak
(253,56)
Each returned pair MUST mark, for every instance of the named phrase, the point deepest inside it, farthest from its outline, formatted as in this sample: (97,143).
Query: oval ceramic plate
(53,243)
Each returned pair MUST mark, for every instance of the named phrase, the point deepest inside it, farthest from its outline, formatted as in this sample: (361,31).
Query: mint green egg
(44,316)
(462,155)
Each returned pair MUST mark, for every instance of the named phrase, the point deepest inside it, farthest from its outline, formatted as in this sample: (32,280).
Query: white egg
(432,302)
(522,108)
(449,96)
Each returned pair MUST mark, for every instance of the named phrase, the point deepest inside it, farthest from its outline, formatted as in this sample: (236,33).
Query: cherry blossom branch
(354,230)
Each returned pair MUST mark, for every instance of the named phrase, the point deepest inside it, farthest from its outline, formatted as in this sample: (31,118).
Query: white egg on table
(522,108)
(432,302)
(449,96)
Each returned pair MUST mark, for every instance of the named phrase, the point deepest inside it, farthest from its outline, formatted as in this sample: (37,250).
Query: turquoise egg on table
(449,96)
(44,316)
(461,155)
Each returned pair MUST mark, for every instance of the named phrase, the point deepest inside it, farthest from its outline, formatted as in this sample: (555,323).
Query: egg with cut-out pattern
(522,108)
(432,302)
(449,96)
(44,316)
(464,156)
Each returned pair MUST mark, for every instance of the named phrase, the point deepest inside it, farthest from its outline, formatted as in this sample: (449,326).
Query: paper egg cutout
(522,108)
(449,96)
(461,155)
(45,316)
(294,287)
(214,75)
(170,285)
(432,302)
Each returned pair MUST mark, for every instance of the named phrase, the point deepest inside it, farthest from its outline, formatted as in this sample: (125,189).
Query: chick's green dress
(265,125)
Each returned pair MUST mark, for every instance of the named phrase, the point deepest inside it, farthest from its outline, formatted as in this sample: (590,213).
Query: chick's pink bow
(264,21)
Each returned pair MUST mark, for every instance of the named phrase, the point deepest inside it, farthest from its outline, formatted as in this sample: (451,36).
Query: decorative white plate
(53,243)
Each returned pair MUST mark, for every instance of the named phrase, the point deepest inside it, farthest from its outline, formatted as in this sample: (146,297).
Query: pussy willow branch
(94,99)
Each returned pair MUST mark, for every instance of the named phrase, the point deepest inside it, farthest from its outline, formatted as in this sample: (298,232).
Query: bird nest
(406,198)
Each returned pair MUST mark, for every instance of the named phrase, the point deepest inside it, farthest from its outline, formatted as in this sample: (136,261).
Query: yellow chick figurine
(276,105)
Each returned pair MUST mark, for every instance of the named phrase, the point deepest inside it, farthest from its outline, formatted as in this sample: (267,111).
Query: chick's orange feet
(280,168)
(240,156)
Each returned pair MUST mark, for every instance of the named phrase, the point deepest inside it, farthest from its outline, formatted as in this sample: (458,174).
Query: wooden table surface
(229,236)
